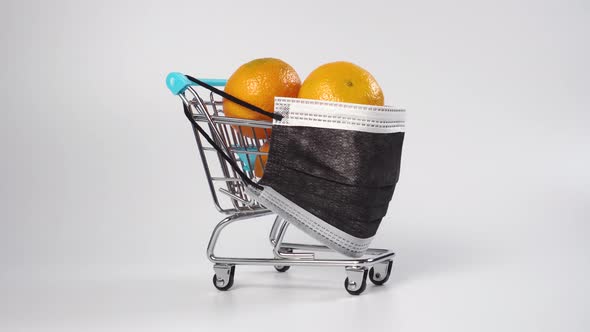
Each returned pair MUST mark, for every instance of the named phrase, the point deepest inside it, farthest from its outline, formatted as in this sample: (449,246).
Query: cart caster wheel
(379,274)
(282,268)
(223,278)
(356,281)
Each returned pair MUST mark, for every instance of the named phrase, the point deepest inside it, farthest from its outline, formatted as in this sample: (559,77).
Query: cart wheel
(223,278)
(282,268)
(358,277)
(379,274)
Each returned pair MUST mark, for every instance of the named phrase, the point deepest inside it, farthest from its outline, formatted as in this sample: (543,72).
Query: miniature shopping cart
(225,142)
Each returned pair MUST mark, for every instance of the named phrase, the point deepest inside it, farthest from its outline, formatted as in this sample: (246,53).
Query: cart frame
(238,139)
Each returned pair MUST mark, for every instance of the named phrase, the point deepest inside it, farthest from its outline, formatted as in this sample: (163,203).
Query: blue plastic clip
(245,156)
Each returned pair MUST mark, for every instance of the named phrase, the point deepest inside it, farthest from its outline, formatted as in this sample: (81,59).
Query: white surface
(105,214)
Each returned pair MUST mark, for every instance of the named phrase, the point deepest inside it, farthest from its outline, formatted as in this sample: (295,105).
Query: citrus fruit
(342,82)
(261,161)
(258,82)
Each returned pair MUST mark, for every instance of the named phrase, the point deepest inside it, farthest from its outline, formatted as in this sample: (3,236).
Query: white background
(105,212)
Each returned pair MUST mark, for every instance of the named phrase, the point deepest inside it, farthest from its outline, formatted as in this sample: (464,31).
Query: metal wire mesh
(242,140)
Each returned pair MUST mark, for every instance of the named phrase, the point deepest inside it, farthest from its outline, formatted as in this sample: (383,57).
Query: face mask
(332,168)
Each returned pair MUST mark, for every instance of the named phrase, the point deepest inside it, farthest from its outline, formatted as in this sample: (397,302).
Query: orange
(259,82)
(261,161)
(342,82)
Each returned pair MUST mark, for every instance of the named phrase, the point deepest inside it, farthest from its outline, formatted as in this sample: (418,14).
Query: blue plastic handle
(177,82)
(245,156)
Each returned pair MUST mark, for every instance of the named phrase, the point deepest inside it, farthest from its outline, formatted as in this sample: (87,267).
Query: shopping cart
(219,137)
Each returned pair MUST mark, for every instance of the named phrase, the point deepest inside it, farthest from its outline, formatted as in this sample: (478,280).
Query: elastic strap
(232,163)
(236,100)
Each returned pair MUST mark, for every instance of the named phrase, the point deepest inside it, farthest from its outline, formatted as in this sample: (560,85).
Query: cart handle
(177,82)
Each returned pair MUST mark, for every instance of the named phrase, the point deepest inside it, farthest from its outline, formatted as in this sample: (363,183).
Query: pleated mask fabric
(332,169)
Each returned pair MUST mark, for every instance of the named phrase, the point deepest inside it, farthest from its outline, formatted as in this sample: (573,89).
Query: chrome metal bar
(226,221)
(213,103)
(238,187)
(274,229)
(362,262)
(320,248)
(217,102)
(257,153)
(207,171)
(201,103)
(281,252)
(247,209)
(225,167)
(235,188)
(242,143)
(214,178)
(234,121)
(186,102)
(237,198)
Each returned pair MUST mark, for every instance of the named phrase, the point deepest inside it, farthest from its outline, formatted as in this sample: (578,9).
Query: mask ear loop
(236,100)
